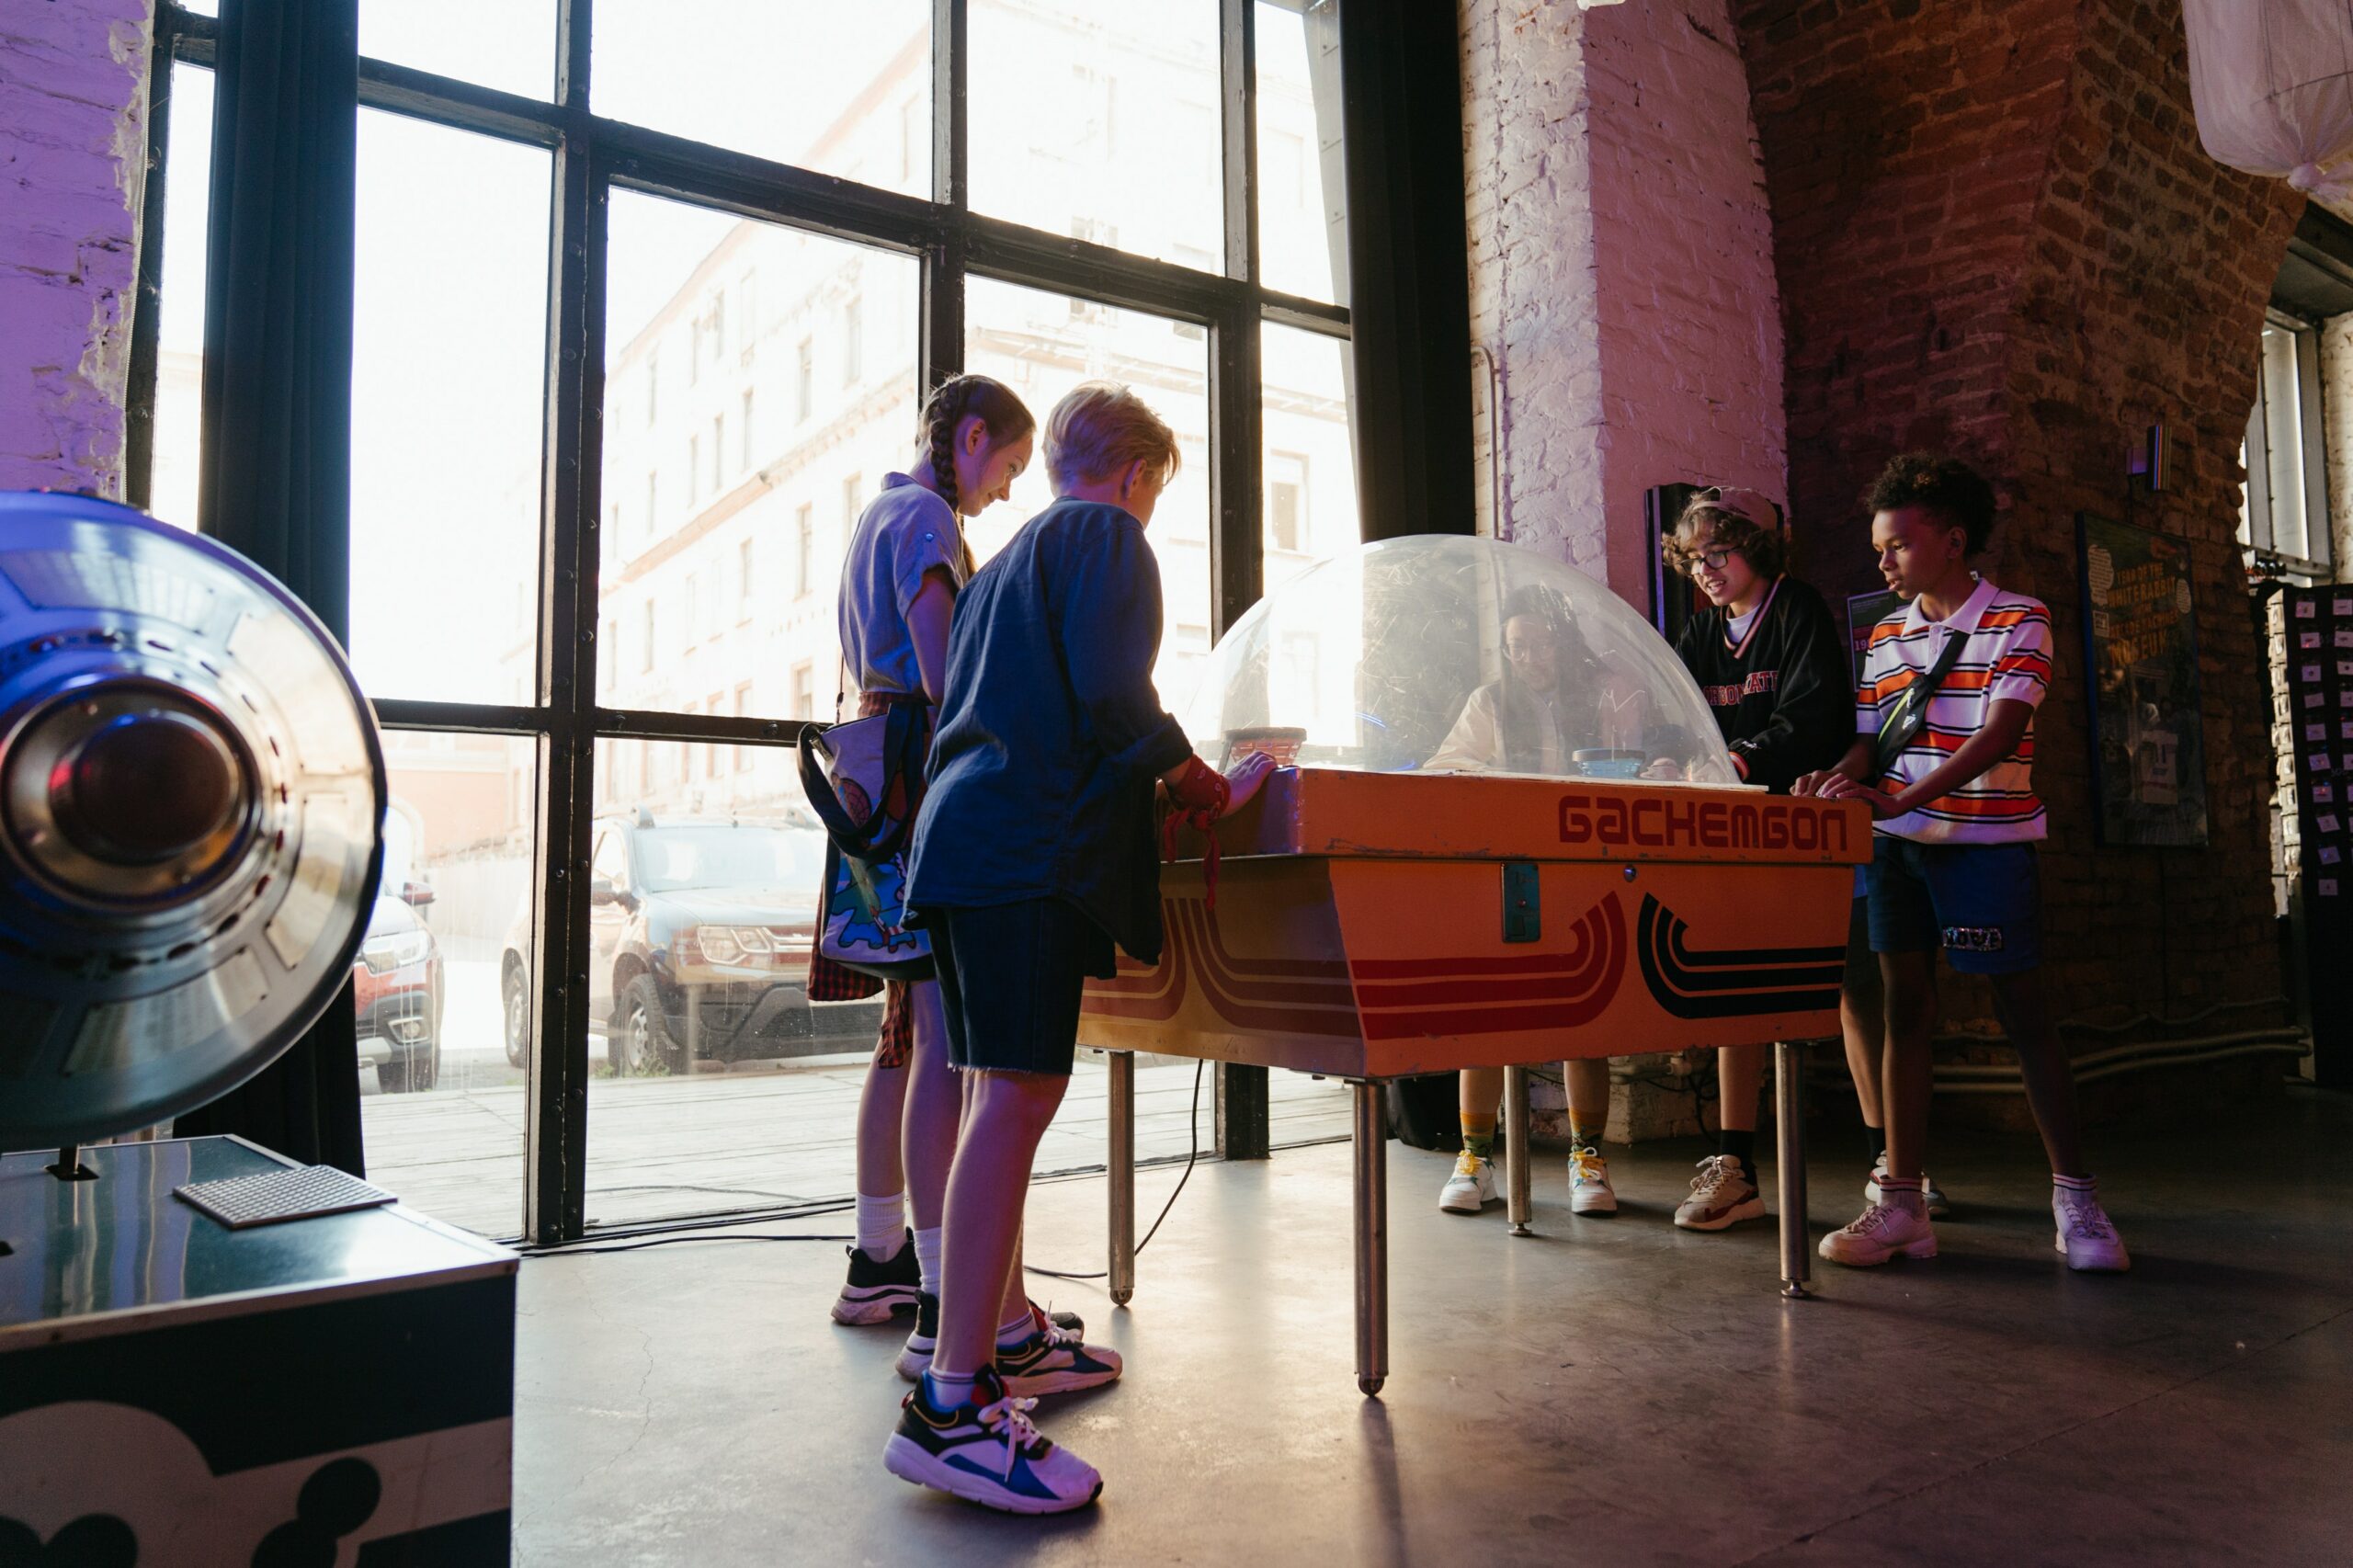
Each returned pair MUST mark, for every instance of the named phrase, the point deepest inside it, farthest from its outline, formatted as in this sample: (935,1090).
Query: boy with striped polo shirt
(1948,781)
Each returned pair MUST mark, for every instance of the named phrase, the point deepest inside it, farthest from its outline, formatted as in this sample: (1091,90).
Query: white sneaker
(1721,1197)
(2085,1235)
(1930,1192)
(1589,1190)
(985,1451)
(1896,1227)
(1472,1187)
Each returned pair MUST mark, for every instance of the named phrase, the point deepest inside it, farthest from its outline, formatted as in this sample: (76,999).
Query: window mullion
(1237,65)
(555,1190)
(950,83)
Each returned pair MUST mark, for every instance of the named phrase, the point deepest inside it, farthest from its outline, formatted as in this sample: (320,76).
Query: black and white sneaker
(985,1451)
(876,1292)
(915,1360)
(1054,1360)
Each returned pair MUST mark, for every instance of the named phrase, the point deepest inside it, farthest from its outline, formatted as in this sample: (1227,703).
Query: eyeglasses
(1714,558)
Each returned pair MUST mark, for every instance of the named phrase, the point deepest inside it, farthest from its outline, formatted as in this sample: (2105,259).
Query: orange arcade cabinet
(1507,833)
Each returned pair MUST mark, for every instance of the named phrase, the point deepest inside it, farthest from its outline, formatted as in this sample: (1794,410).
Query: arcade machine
(209,1355)
(1510,834)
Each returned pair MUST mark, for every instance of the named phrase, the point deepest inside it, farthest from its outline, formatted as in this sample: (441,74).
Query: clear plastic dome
(1445,654)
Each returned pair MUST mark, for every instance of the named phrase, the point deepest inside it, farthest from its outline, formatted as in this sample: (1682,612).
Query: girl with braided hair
(907,561)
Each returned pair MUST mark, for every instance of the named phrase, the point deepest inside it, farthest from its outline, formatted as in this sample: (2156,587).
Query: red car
(396,994)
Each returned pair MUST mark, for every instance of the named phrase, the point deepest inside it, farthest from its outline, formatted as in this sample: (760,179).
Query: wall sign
(1863,612)
(2141,664)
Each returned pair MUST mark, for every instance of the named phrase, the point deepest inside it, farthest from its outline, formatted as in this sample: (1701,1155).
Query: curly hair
(1002,415)
(1949,487)
(1732,525)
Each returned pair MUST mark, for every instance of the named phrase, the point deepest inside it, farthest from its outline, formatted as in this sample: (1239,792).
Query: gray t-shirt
(903,532)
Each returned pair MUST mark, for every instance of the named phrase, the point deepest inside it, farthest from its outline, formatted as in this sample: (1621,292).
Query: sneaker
(1472,1187)
(1589,1190)
(1893,1227)
(985,1451)
(915,1359)
(1054,1360)
(1929,1191)
(1721,1197)
(876,1292)
(2085,1235)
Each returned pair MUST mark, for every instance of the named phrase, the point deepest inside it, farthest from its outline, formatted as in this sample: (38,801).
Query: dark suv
(700,935)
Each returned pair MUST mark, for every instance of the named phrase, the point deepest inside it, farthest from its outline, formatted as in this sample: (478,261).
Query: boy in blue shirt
(1033,856)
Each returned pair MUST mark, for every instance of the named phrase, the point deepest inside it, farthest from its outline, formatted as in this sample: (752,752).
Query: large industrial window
(2285,523)
(554,454)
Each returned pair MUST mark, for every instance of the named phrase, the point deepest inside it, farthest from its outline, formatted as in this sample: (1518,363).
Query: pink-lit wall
(72,160)
(1621,271)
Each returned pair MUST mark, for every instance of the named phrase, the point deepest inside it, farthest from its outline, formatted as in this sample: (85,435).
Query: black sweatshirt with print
(1785,697)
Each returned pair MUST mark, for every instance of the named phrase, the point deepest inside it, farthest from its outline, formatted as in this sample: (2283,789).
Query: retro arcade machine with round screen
(209,1355)
(1510,834)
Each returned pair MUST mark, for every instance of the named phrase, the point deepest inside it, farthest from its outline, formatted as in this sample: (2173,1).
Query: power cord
(583,1248)
(1191,1155)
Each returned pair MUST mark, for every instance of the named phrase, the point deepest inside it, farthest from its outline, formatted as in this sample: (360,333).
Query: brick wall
(72,160)
(1621,267)
(1999,236)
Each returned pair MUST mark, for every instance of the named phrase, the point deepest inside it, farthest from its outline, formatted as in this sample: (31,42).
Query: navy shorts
(1010,976)
(1983,903)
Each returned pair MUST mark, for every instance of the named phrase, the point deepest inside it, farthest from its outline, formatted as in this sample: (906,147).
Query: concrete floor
(1610,1392)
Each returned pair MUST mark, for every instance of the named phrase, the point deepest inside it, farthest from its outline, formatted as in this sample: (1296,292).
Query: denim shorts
(1982,902)
(1010,978)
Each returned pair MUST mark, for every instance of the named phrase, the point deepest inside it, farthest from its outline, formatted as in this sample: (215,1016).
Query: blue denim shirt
(1050,734)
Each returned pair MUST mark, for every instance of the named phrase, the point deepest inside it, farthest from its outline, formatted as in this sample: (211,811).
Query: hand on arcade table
(1243,780)
(1198,795)
(1835,786)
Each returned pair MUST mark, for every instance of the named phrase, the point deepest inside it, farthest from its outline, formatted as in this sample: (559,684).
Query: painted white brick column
(72,167)
(1621,271)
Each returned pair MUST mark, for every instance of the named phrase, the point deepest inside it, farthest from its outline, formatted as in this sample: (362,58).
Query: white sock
(928,1260)
(881,1225)
(2081,1185)
(948,1389)
(1015,1331)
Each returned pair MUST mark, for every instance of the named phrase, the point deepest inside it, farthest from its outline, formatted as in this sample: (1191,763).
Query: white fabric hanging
(2272,84)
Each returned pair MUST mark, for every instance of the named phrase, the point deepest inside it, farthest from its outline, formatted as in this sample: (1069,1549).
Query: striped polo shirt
(2007,655)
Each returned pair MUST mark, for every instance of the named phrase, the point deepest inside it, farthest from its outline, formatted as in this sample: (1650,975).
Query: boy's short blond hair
(1099,429)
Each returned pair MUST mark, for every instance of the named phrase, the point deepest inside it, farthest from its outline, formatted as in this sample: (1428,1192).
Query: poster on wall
(2140,668)
(1863,612)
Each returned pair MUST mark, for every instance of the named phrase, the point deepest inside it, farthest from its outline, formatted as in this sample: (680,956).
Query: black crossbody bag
(1910,715)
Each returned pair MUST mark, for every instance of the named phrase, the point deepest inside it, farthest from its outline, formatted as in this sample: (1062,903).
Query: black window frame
(592,156)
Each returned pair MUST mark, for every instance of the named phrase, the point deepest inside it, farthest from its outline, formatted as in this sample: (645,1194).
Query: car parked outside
(396,984)
(700,933)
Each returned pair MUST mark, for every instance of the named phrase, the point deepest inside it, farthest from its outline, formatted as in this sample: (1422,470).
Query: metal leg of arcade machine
(1789,1136)
(1122,1171)
(1372,1237)
(1516,1195)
